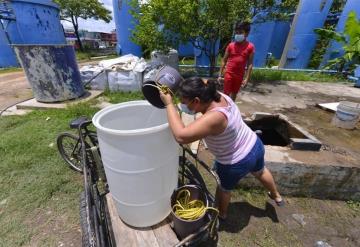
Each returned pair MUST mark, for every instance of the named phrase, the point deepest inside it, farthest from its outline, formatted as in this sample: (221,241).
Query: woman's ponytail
(194,87)
(212,90)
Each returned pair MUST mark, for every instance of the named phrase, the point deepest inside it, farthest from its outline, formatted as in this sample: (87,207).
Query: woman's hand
(166,98)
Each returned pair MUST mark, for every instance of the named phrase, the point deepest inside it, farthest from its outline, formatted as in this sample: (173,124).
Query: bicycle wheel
(69,147)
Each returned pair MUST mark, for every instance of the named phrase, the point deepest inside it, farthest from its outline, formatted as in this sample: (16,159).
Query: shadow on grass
(239,214)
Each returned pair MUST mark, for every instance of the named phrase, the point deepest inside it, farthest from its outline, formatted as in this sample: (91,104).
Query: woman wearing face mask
(237,149)
(238,55)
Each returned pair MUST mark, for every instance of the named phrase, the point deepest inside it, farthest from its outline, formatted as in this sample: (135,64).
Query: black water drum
(165,75)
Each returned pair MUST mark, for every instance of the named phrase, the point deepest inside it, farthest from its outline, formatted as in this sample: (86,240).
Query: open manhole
(277,130)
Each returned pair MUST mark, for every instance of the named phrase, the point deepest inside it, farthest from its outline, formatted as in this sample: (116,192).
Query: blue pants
(231,174)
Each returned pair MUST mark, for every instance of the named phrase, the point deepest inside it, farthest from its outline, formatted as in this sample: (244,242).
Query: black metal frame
(98,225)
(97,228)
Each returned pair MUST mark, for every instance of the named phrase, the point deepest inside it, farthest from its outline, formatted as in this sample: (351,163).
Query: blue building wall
(301,41)
(7,54)
(125,23)
(201,59)
(261,36)
(335,49)
(186,50)
(268,37)
(278,40)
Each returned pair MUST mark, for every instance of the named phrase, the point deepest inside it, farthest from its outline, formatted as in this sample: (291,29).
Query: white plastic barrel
(347,115)
(140,158)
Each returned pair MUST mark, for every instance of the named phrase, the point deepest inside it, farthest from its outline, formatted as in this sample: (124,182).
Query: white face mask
(239,37)
(184,108)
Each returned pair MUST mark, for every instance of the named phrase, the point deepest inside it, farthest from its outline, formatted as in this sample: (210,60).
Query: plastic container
(140,158)
(171,59)
(35,22)
(126,81)
(182,227)
(347,115)
(164,75)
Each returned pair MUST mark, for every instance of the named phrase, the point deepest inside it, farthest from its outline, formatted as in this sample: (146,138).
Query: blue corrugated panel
(335,49)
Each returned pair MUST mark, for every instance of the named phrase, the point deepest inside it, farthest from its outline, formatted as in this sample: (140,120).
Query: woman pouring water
(237,149)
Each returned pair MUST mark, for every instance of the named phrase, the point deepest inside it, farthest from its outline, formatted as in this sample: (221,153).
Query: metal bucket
(182,227)
(52,71)
(165,75)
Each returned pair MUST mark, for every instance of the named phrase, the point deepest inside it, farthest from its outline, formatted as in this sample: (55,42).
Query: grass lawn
(263,75)
(260,75)
(37,187)
(9,70)
(273,75)
(88,56)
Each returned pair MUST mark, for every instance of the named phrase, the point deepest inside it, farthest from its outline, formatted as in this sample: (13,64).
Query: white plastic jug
(140,158)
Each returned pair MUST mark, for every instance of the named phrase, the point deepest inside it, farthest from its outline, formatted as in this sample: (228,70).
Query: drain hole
(277,130)
(271,137)
(274,131)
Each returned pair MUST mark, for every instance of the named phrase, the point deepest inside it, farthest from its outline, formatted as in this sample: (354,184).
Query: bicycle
(82,154)
(70,146)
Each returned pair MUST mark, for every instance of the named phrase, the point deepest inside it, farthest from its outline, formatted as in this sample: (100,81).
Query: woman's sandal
(279,203)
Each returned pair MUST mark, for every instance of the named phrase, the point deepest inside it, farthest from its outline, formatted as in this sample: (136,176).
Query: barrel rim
(96,120)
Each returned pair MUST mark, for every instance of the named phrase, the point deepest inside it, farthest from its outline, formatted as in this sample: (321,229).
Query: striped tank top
(236,141)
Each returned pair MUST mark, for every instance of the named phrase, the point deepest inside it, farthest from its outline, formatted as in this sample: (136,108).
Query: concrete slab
(33,104)
(322,174)
(14,111)
(329,106)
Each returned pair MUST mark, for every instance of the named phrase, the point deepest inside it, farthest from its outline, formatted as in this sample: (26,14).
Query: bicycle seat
(74,124)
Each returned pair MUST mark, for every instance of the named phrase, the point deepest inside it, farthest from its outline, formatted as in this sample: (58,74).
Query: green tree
(163,24)
(350,40)
(72,10)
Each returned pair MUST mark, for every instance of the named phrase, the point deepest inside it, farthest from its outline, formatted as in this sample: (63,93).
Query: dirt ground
(13,88)
(298,100)
(253,219)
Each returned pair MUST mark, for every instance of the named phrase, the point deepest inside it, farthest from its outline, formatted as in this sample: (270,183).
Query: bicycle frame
(97,226)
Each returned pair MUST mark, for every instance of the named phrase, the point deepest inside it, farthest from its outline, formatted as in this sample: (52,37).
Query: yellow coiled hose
(192,210)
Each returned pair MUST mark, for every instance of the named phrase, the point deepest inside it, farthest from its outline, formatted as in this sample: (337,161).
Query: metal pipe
(271,69)
(300,70)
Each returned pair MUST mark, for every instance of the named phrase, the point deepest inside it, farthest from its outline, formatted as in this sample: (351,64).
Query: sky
(95,25)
